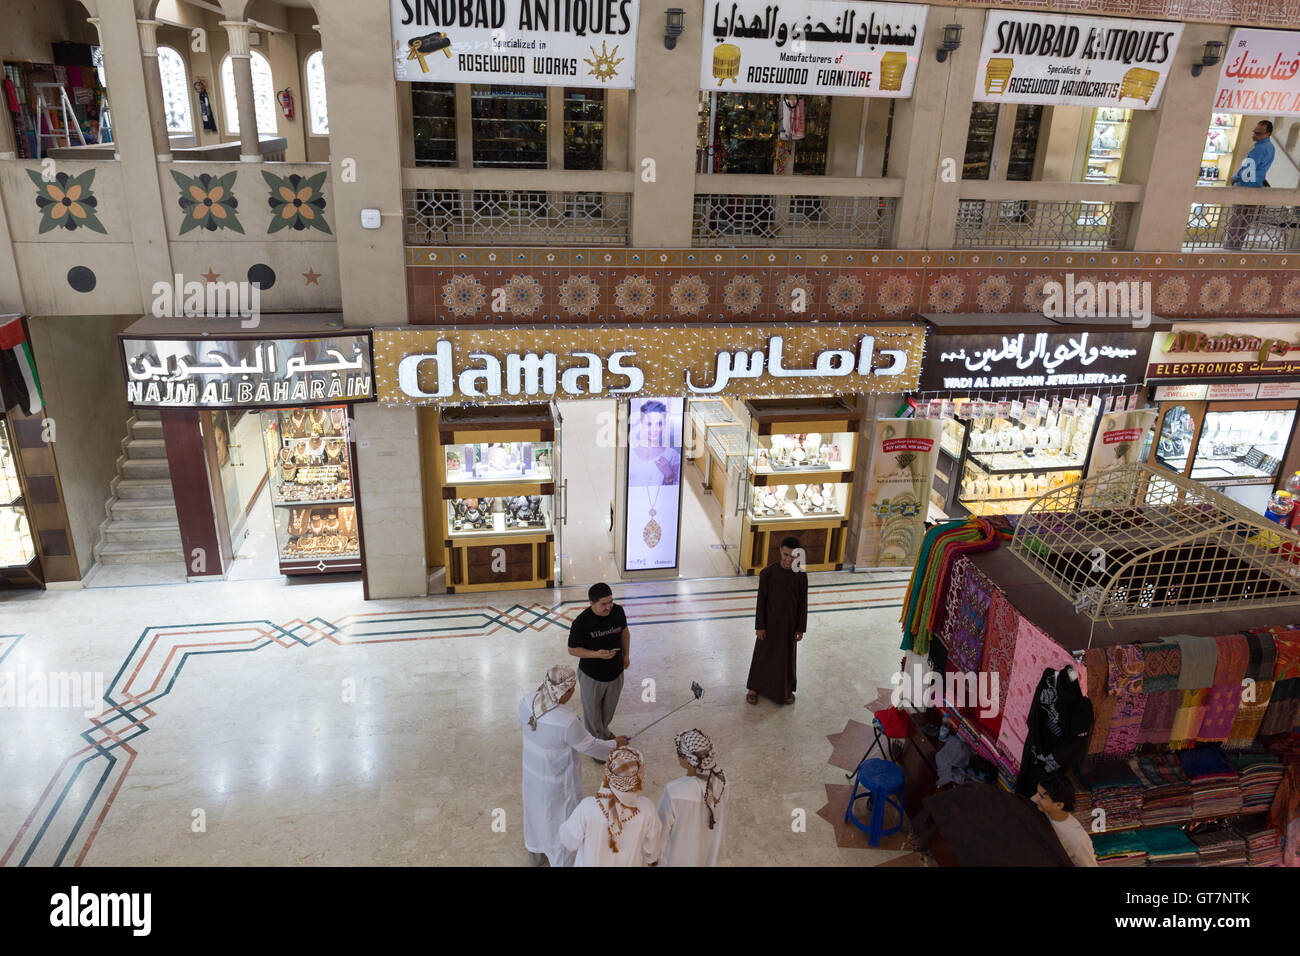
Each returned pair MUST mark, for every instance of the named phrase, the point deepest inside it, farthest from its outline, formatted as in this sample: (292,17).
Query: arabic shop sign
(247,373)
(541,42)
(1261,73)
(1077,61)
(1034,360)
(1226,350)
(811,46)
(416,367)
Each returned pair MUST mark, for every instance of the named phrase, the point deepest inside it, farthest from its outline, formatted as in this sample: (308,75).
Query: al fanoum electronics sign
(588,43)
(1226,350)
(1080,61)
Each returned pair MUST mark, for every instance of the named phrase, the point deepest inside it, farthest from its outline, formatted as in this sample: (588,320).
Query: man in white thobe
(618,826)
(553,739)
(693,808)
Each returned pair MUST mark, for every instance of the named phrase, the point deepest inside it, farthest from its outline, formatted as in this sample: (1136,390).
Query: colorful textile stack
(1260,776)
(1166,791)
(1082,802)
(1221,847)
(1117,790)
(932,602)
(1216,791)
(1283,714)
(1263,845)
(1119,849)
(1168,846)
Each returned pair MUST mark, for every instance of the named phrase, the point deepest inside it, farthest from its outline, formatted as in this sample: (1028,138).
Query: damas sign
(538,42)
(510,365)
(1080,61)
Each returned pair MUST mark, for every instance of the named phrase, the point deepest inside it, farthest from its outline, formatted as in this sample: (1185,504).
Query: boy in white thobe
(553,738)
(618,826)
(693,808)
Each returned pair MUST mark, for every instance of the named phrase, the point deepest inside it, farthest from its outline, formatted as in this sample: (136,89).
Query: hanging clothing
(688,841)
(587,833)
(552,784)
(782,612)
(1060,721)
(791,119)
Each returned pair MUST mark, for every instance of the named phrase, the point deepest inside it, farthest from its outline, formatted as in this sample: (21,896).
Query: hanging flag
(21,386)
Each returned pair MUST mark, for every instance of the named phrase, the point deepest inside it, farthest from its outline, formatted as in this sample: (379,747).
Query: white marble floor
(248,722)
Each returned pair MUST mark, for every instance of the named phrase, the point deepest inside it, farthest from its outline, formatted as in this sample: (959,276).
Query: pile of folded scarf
(1166,791)
(933,596)
(1260,776)
(1216,790)
(1168,846)
(1263,845)
(1117,790)
(1119,849)
(1220,847)
(1082,802)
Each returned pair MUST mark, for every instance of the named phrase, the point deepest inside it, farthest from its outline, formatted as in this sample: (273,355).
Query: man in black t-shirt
(599,638)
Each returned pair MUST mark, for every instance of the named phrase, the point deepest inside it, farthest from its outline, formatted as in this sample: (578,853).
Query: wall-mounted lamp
(1211,55)
(951,40)
(674,27)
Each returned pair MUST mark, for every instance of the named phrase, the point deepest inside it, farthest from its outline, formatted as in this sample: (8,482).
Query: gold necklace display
(652,533)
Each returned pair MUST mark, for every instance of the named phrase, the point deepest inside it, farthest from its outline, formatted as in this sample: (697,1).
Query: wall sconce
(1211,55)
(674,27)
(951,40)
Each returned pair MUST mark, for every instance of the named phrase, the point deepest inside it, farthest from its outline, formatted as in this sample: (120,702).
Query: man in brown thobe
(779,622)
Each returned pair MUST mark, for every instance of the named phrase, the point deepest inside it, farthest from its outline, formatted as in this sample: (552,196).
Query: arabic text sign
(541,42)
(448,366)
(1079,61)
(1260,74)
(825,47)
(1208,350)
(1120,439)
(1034,360)
(247,373)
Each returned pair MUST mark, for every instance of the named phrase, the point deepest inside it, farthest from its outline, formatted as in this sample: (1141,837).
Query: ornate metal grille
(495,217)
(1271,228)
(1042,224)
(861,222)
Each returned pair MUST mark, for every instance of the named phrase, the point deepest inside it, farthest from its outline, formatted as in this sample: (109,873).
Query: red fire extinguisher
(286,102)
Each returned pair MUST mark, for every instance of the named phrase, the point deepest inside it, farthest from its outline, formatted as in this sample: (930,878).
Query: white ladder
(44,110)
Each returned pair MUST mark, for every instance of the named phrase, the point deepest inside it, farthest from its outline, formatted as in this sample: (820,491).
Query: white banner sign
(1261,73)
(903,464)
(823,47)
(539,42)
(1077,61)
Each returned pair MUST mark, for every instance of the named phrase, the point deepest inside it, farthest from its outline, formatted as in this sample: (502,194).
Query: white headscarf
(560,679)
(697,750)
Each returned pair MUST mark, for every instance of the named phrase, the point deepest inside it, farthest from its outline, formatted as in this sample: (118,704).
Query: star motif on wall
(210,276)
(311,276)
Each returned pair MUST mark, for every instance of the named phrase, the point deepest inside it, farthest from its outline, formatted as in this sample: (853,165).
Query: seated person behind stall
(1055,797)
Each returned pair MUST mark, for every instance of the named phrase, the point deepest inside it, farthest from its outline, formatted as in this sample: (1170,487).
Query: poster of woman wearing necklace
(654,469)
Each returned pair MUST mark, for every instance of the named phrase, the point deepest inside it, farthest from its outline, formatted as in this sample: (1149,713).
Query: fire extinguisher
(286,102)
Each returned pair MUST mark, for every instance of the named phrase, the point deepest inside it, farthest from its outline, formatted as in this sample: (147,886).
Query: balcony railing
(808,222)
(1248,228)
(1042,224)
(500,217)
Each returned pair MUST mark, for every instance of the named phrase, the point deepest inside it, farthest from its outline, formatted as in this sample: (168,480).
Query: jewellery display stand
(19,565)
(499,469)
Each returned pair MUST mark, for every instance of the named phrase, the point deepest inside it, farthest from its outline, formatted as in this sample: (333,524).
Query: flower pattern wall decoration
(896,294)
(689,295)
(635,295)
(1291,296)
(946,293)
(742,294)
(297,202)
(67,201)
(463,295)
(1034,296)
(208,201)
(523,295)
(993,294)
(846,294)
(1256,294)
(1215,293)
(1172,295)
(785,293)
(579,295)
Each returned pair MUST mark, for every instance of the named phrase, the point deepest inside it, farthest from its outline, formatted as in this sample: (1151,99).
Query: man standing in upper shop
(1254,169)
(600,638)
(553,739)
(780,619)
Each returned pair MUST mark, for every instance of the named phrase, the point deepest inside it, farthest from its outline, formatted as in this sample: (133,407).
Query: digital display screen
(654,483)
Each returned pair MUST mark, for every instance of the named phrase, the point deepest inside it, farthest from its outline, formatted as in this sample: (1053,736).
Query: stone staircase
(140,525)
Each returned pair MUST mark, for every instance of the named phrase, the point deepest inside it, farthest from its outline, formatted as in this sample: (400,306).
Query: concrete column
(392,514)
(845,135)
(153,89)
(250,148)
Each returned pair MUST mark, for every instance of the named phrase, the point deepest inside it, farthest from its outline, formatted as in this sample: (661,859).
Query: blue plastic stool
(882,783)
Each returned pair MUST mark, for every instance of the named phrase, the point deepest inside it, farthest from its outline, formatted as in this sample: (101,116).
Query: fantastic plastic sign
(590,43)
(1076,61)
(812,47)
(1261,74)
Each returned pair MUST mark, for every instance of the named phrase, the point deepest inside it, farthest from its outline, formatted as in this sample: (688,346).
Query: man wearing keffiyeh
(618,826)
(693,808)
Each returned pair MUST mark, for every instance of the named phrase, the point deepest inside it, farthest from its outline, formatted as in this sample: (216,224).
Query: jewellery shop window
(792,471)
(518,510)
(312,492)
(1242,446)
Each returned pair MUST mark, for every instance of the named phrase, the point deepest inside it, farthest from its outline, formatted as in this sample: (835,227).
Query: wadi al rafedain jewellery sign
(538,42)
(1034,360)
(483,365)
(825,47)
(1077,61)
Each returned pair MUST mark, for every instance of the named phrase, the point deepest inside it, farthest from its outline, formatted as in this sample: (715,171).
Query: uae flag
(18,382)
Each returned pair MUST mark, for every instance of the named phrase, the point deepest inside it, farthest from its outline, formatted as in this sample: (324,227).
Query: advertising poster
(589,43)
(903,462)
(1260,74)
(1074,61)
(811,46)
(654,483)
(1120,439)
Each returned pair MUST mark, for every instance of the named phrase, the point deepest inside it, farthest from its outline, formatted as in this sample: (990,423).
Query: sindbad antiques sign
(588,43)
(450,366)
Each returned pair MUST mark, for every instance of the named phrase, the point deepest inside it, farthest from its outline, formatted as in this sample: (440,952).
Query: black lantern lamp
(951,40)
(674,27)
(1211,55)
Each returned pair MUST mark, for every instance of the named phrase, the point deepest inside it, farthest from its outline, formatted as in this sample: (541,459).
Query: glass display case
(703,416)
(1242,447)
(17,548)
(1106,142)
(309,455)
(1220,144)
(509,126)
(724,456)
(745,133)
(480,462)
(433,122)
(584,129)
(1024,143)
(979,141)
(509,514)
